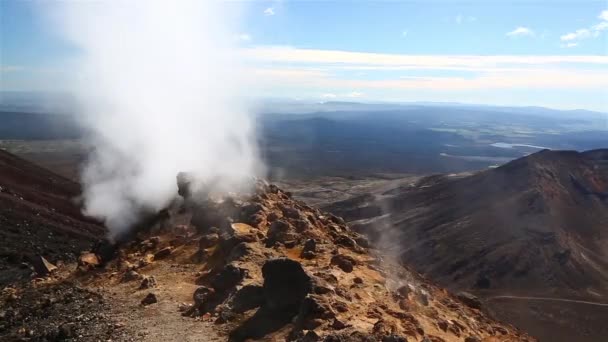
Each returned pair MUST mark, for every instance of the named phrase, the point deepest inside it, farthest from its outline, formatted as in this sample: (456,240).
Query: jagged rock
(285,285)
(247,298)
(148,282)
(208,240)
(315,306)
(149,299)
(302,225)
(132,275)
(227,278)
(345,241)
(338,324)
(149,244)
(308,255)
(163,253)
(310,336)
(443,325)
(88,260)
(241,232)
(42,266)
(250,209)
(272,217)
(278,232)
(291,213)
(239,252)
(469,300)
(405,290)
(344,262)
(336,219)
(202,295)
(422,297)
(310,245)
(362,241)
(105,250)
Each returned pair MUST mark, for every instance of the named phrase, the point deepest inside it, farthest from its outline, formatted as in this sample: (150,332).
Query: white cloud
(370,61)
(569,45)
(404,33)
(576,35)
(586,33)
(269,11)
(600,27)
(521,32)
(351,95)
(458,19)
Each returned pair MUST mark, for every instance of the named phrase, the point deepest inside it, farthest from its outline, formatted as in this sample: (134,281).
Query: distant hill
(39,215)
(534,227)
(37,126)
(539,222)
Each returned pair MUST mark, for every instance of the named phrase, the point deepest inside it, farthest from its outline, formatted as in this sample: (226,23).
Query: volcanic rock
(150,298)
(42,266)
(227,278)
(344,262)
(285,285)
(163,253)
(148,282)
(88,260)
(470,300)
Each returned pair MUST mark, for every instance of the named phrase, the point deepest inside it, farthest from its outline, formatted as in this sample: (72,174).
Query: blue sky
(549,53)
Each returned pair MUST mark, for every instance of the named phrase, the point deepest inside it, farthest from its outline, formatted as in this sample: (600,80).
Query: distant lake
(508,145)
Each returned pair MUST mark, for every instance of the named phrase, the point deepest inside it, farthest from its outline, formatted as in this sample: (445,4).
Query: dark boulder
(149,299)
(286,284)
(247,298)
(469,300)
(227,278)
(344,262)
(42,266)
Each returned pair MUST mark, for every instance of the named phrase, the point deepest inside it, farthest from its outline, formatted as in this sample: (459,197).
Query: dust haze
(160,86)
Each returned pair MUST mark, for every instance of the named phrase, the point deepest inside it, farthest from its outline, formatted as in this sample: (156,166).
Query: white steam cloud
(161,88)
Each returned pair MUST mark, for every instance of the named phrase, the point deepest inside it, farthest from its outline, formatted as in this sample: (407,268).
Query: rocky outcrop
(276,269)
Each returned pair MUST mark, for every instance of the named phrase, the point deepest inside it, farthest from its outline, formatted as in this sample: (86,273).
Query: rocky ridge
(273,268)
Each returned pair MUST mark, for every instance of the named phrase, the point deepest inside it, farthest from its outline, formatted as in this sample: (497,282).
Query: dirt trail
(549,299)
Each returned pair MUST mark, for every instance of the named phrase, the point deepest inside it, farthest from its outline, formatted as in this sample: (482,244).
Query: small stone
(132,275)
(148,282)
(149,299)
(208,240)
(88,260)
(202,295)
(469,300)
(344,262)
(338,324)
(358,280)
(42,266)
(163,253)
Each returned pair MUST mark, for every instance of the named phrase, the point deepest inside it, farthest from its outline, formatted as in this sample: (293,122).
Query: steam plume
(160,89)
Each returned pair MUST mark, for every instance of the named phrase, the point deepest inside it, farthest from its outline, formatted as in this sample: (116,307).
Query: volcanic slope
(539,222)
(534,227)
(38,216)
(262,267)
